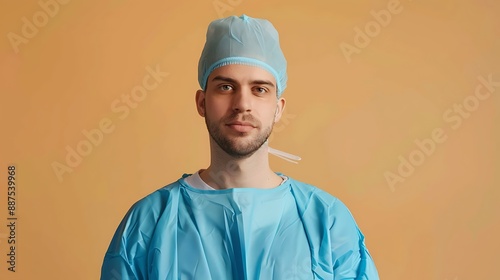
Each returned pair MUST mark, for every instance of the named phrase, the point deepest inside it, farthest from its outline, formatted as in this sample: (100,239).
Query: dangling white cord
(283,155)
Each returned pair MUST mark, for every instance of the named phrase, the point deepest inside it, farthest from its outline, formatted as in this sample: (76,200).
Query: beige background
(352,118)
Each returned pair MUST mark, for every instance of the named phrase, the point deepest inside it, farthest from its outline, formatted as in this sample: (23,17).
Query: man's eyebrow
(225,79)
(263,82)
(254,82)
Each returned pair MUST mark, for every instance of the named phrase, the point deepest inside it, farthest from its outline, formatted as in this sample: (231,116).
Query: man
(237,219)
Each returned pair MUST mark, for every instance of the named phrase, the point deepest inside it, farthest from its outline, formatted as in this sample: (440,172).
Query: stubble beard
(234,145)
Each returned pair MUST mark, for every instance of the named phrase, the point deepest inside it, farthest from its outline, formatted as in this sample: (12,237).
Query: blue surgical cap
(243,40)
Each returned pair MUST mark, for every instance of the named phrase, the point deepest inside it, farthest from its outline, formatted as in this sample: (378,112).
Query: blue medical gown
(293,231)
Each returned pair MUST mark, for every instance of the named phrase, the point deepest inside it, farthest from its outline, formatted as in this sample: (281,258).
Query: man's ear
(200,102)
(280,107)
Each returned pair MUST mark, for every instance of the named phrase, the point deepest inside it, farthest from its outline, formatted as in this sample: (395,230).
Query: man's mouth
(241,126)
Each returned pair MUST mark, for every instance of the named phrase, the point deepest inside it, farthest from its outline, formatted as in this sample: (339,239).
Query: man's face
(240,108)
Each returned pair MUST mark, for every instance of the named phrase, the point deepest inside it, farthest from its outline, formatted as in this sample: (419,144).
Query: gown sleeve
(126,257)
(350,257)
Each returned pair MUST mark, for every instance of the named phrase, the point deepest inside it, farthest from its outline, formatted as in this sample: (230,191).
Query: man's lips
(241,123)
(241,126)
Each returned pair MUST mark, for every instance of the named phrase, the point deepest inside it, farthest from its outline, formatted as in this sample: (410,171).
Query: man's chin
(240,152)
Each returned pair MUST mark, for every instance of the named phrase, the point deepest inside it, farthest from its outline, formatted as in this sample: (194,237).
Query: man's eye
(226,87)
(260,90)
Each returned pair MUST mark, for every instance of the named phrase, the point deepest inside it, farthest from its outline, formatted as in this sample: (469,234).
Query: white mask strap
(283,155)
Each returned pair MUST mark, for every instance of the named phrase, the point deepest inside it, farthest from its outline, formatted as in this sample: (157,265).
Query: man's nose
(242,100)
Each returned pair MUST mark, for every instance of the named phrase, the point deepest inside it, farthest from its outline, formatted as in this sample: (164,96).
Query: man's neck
(227,172)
